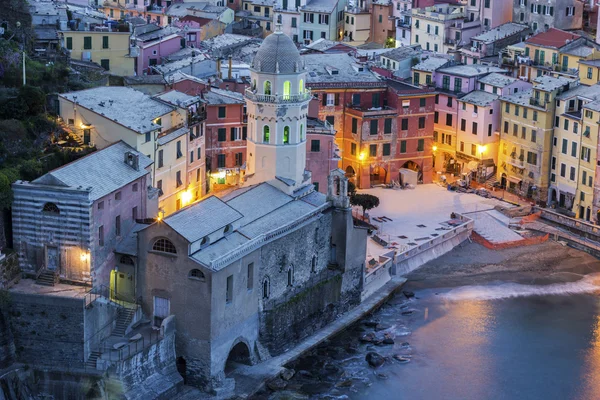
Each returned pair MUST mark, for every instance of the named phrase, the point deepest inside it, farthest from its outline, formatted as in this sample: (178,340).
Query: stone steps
(46,278)
(123,321)
(91,362)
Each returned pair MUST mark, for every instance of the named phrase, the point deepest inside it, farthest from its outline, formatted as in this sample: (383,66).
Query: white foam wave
(588,284)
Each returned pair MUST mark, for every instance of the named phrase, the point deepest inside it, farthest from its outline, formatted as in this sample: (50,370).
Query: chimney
(132,160)
(230,66)
(219,68)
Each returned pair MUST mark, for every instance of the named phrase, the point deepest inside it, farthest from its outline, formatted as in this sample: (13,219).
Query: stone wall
(99,320)
(152,373)
(48,330)
(7,345)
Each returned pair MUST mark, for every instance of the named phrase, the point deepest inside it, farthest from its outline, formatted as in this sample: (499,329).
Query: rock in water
(287,374)
(371,323)
(401,358)
(276,384)
(375,360)
(388,341)
(382,327)
(367,338)
(408,294)
(346,383)
(408,312)
(382,376)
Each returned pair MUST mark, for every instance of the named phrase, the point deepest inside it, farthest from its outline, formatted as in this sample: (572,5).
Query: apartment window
(353,149)
(437,30)
(563,170)
(417,36)
(589,72)
(463,124)
(473,149)
(531,158)
(234,134)
(118,225)
(573,149)
(421,145)
(330,119)
(421,122)
(517,111)
(428,28)
(222,112)
(403,146)
(535,116)
(435,136)
(507,108)
(386,149)
(437,98)
(552,176)
(566,124)
(356,99)
(179,152)
(178,179)
(229,288)
(553,163)
(565,145)
(294,22)
(191,157)
(134,213)
(373,150)
(524,112)
(315,146)
(354,125)
(329,99)
(422,102)
(199,155)
(436,117)
(221,161)
(159,187)
(250,277)
(448,119)
(87,42)
(570,11)
(533,135)
(118,196)
(239,158)
(387,127)
(101,235)
(446,82)
(556,122)
(523,132)
(474,128)
(575,127)
(373,130)
(585,153)
(70,45)
(506,127)
(457,84)
(105,42)
(572,174)
(449,103)
(222,134)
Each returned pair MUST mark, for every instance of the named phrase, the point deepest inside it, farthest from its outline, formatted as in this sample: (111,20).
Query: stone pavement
(493,226)
(250,379)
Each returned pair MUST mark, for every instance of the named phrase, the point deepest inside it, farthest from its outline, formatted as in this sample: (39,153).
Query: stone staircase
(125,315)
(91,362)
(47,278)
(491,181)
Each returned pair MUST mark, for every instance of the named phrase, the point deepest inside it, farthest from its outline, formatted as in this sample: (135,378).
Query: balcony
(277,98)
(364,112)
(136,7)
(197,117)
(156,9)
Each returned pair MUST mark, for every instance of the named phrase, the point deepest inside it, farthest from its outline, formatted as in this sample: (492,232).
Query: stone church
(248,274)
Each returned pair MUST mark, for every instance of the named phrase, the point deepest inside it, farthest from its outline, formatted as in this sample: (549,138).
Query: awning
(471,166)
(514,179)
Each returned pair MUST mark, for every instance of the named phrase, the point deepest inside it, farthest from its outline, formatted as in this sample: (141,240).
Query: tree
(351,188)
(366,201)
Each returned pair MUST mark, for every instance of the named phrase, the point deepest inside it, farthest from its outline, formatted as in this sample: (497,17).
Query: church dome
(277,54)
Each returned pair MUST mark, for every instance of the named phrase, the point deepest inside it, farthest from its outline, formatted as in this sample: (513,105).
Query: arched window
(164,246)
(287,89)
(301,132)
(313,264)
(205,241)
(196,274)
(267,87)
(266,134)
(227,229)
(286,135)
(301,86)
(290,276)
(126,260)
(51,208)
(266,288)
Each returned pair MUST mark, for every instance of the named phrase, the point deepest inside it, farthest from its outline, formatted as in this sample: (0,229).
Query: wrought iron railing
(278,98)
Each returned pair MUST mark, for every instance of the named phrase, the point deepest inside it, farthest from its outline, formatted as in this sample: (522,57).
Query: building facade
(559,14)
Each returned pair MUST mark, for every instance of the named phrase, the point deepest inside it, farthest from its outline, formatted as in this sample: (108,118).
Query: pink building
(479,118)
(198,29)
(152,44)
(321,151)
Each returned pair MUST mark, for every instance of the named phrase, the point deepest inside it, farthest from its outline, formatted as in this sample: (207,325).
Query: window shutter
(551,11)
(525,3)
(232,130)
(567,11)
(337,99)
(532,7)
(324,99)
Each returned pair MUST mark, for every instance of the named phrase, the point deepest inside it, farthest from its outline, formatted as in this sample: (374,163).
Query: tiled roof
(500,32)
(431,64)
(221,96)
(337,68)
(201,21)
(104,171)
(471,70)
(479,98)
(203,218)
(402,53)
(177,98)
(589,92)
(277,54)
(549,83)
(552,38)
(162,140)
(593,105)
(130,108)
(521,97)
(322,6)
(246,203)
(498,80)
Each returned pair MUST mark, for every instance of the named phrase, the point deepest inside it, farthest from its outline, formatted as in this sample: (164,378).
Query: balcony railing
(136,7)
(278,98)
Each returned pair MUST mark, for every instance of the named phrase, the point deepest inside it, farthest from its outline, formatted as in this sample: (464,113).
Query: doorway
(52,258)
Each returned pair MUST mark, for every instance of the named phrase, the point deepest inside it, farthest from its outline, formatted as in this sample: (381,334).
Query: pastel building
(152,44)
(69,222)
(485,47)
(541,16)
(321,20)
(491,13)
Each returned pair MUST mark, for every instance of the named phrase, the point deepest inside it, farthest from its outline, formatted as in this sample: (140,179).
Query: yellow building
(556,53)
(573,163)
(119,9)
(259,12)
(422,72)
(589,72)
(357,25)
(526,138)
(109,49)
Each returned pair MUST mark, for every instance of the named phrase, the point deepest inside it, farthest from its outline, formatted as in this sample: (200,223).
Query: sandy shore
(472,263)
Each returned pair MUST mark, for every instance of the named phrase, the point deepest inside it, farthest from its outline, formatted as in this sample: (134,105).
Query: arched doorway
(552,196)
(413,166)
(239,354)
(378,175)
(350,173)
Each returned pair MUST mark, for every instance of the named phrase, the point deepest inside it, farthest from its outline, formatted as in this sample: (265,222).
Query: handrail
(104,291)
(278,98)
(155,337)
